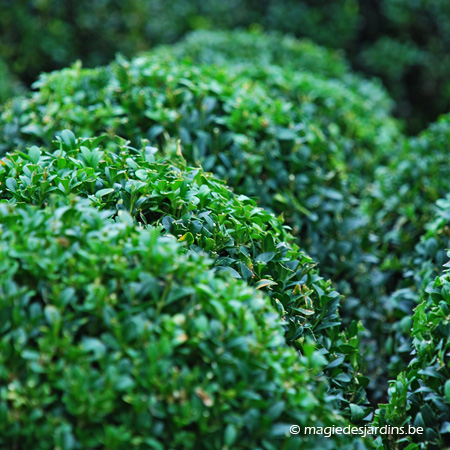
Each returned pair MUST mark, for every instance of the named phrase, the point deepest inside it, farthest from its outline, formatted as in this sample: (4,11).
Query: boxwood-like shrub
(303,145)
(358,273)
(420,270)
(402,200)
(245,241)
(112,337)
(367,98)
(420,396)
(262,49)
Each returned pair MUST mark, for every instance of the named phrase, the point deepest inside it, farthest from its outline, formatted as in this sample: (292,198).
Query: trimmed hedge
(112,337)
(402,200)
(366,98)
(296,141)
(262,49)
(245,241)
(305,146)
(419,273)
(420,396)
(401,204)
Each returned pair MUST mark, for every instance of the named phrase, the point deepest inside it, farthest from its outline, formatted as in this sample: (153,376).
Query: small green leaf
(230,435)
(69,138)
(357,412)
(233,273)
(103,192)
(11,184)
(188,238)
(335,363)
(264,283)
(52,315)
(447,390)
(34,154)
(265,257)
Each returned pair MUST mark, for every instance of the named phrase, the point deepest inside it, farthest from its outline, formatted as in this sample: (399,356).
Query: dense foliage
(245,241)
(208,242)
(303,144)
(402,200)
(421,395)
(225,47)
(112,337)
(404,42)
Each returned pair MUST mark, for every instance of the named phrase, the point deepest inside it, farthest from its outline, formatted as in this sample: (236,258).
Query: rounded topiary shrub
(360,107)
(408,216)
(262,49)
(302,144)
(113,337)
(244,240)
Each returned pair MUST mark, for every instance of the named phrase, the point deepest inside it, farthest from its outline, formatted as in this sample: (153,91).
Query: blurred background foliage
(404,42)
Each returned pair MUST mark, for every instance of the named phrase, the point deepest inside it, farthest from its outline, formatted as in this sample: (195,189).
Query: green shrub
(402,199)
(113,337)
(401,206)
(296,141)
(421,395)
(303,145)
(366,98)
(420,270)
(245,241)
(262,49)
